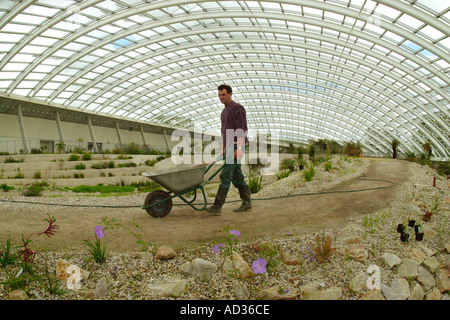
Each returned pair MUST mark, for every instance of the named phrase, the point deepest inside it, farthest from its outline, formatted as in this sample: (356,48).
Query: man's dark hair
(225,87)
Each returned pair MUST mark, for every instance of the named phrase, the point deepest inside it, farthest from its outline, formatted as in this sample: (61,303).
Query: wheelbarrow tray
(178,179)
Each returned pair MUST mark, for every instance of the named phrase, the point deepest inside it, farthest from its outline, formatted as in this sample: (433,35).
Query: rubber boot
(244,193)
(221,196)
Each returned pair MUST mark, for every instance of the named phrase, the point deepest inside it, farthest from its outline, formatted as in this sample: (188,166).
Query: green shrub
(12,160)
(6,188)
(80,166)
(287,164)
(74,157)
(19,175)
(103,165)
(283,174)
(102,189)
(309,173)
(328,166)
(33,190)
(128,164)
(87,156)
(255,183)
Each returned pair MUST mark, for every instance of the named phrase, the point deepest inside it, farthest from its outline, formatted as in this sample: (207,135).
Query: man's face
(224,96)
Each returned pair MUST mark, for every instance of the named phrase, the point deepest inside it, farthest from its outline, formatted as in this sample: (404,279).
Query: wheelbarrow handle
(222,157)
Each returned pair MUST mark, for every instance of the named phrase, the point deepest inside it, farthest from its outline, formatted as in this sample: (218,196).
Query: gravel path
(128,274)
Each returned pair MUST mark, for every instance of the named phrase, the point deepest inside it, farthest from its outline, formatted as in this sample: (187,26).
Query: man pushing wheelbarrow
(234,139)
(185,180)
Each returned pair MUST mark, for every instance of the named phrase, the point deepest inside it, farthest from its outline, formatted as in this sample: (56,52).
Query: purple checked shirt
(233,118)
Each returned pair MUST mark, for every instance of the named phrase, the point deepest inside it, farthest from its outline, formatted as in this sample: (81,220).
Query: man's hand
(238,154)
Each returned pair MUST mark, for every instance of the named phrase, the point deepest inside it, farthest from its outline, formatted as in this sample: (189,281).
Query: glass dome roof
(344,70)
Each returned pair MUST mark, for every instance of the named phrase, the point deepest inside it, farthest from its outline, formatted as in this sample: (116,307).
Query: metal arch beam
(310,58)
(213,15)
(296,72)
(357,60)
(330,124)
(259,41)
(42,28)
(11,14)
(305,106)
(429,136)
(426,133)
(340,105)
(418,14)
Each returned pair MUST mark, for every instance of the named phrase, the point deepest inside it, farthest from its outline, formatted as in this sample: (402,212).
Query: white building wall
(39,130)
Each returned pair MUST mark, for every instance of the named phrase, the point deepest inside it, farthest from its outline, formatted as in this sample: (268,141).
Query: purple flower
(216,248)
(259,265)
(99,232)
(235,233)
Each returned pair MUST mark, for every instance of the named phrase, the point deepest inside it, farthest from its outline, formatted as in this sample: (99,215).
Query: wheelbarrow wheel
(160,210)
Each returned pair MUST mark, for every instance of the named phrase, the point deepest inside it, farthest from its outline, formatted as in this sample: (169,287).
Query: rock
(390,260)
(198,268)
(425,278)
(433,295)
(408,269)
(416,254)
(399,289)
(432,264)
(417,293)
(165,253)
(359,283)
(237,267)
(101,289)
(310,291)
(66,270)
(274,293)
(349,231)
(88,293)
(447,247)
(333,293)
(240,291)
(357,252)
(374,294)
(351,240)
(18,294)
(170,287)
(290,259)
(442,281)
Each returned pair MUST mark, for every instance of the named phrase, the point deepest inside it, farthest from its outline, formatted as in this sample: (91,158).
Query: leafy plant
(309,172)
(97,250)
(6,188)
(283,174)
(322,248)
(87,156)
(74,157)
(255,183)
(7,255)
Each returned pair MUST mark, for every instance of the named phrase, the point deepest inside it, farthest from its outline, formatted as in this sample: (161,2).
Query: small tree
(61,146)
(394,144)
(427,149)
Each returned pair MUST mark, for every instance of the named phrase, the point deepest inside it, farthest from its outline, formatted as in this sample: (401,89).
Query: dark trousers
(232,174)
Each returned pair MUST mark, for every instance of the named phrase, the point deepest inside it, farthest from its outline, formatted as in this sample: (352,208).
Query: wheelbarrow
(180,181)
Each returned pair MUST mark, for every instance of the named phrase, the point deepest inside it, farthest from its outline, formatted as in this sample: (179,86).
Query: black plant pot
(404,237)
(400,228)
(419,236)
(411,223)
